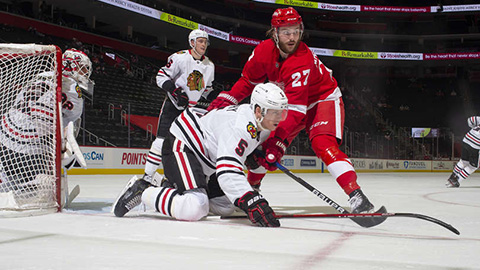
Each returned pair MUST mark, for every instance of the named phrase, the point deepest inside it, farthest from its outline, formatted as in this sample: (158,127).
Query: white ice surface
(88,236)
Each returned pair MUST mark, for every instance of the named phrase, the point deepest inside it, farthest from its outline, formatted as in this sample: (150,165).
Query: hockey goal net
(30,83)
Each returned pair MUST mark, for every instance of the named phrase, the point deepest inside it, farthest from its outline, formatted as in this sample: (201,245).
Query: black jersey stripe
(195,149)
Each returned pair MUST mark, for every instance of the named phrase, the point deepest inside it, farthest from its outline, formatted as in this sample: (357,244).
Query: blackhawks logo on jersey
(195,81)
(252,130)
(78,90)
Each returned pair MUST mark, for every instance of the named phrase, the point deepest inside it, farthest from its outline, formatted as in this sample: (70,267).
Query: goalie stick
(73,194)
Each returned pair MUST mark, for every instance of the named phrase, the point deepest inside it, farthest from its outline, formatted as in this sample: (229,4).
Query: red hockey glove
(180,96)
(267,165)
(223,100)
(256,159)
(257,209)
(275,149)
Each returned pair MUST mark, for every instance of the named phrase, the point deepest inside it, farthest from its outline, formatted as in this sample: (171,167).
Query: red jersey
(302,76)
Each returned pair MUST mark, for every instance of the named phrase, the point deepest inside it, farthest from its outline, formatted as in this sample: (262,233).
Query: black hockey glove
(257,209)
(180,97)
(252,161)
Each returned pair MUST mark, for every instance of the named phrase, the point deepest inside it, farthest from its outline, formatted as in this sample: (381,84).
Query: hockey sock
(161,199)
(154,157)
(338,164)
(463,169)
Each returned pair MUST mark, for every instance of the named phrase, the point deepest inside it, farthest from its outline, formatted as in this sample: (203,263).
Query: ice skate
(166,183)
(130,197)
(359,203)
(452,181)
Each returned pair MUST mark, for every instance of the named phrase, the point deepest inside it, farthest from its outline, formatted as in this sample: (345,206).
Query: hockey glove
(180,96)
(275,149)
(257,209)
(257,159)
(223,100)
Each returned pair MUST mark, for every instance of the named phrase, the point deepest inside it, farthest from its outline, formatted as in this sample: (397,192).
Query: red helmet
(285,17)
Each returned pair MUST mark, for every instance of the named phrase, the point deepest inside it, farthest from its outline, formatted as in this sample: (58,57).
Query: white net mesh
(28,127)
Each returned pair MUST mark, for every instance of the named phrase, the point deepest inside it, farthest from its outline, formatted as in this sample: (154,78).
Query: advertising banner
(109,160)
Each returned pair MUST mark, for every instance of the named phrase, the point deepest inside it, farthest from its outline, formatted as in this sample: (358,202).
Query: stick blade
(368,222)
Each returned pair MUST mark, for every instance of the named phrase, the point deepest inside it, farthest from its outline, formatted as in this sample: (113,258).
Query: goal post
(30,129)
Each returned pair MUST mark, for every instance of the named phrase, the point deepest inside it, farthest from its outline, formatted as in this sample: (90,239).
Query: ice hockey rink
(88,236)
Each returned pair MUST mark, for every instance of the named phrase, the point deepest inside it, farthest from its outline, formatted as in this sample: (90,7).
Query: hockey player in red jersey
(315,102)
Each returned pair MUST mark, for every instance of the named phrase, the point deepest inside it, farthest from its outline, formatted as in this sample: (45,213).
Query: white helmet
(268,96)
(197,33)
(77,65)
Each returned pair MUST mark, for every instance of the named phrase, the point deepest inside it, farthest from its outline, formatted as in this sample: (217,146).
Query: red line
(313,260)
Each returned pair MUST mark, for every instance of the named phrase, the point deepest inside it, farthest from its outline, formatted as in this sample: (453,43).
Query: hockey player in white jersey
(27,124)
(25,128)
(76,71)
(187,77)
(204,160)
(468,162)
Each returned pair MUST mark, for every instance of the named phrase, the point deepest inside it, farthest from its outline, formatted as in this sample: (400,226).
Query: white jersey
(194,76)
(72,100)
(29,121)
(222,140)
(472,138)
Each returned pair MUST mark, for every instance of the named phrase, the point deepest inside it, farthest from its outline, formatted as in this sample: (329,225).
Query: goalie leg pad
(72,149)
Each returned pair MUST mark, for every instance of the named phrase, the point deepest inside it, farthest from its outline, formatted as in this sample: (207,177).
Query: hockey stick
(358,216)
(365,220)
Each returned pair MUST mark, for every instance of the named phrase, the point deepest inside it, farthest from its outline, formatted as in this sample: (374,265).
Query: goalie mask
(272,101)
(77,66)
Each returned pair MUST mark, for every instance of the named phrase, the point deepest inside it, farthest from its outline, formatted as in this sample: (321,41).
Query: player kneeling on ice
(203,161)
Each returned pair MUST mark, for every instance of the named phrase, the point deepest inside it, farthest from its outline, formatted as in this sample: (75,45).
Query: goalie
(27,125)
(76,72)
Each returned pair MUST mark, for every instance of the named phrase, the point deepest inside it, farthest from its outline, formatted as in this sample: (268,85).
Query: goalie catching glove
(257,209)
